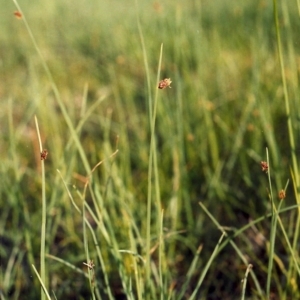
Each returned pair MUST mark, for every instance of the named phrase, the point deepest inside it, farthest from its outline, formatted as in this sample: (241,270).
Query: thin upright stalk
(152,162)
(149,196)
(56,92)
(294,168)
(287,104)
(44,216)
(272,232)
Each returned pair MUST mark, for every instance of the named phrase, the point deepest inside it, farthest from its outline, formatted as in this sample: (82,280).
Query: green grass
(148,193)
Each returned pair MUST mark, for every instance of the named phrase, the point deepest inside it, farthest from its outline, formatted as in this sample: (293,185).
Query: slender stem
(207,266)
(149,195)
(42,284)
(294,169)
(152,154)
(245,281)
(287,104)
(272,231)
(44,216)
(56,92)
(160,256)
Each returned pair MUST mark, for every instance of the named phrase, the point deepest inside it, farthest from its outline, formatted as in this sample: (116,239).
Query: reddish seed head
(44,154)
(281,194)
(264,166)
(18,15)
(164,83)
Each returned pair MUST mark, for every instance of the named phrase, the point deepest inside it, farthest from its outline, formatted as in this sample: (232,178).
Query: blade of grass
(150,161)
(67,264)
(95,240)
(44,214)
(137,274)
(296,232)
(292,252)
(42,283)
(108,220)
(141,35)
(230,240)
(91,271)
(207,266)
(161,259)
(55,91)
(295,170)
(245,281)
(84,117)
(272,231)
(74,268)
(190,273)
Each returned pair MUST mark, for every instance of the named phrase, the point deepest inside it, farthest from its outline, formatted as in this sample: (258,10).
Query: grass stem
(44,216)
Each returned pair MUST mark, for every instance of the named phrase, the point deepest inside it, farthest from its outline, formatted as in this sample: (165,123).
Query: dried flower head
(164,83)
(44,154)
(281,194)
(90,264)
(18,15)
(264,166)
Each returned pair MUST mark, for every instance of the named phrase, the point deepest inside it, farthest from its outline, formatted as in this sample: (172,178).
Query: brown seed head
(90,264)
(281,194)
(264,166)
(44,154)
(18,15)
(164,83)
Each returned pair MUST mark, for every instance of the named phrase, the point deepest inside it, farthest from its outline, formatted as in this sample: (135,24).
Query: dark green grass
(225,107)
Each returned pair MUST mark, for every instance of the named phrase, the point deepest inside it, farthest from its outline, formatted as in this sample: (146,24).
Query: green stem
(44,216)
(294,168)
(56,93)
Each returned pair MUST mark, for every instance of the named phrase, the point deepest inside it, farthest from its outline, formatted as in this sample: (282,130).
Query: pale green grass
(128,163)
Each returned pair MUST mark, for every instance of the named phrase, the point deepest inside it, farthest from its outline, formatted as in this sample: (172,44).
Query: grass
(148,193)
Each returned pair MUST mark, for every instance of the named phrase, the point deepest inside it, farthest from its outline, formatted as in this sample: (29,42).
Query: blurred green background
(225,107)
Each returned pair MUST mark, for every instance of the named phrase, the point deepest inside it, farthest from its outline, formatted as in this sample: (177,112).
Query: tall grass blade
(235,247)
(207,266)
(152,162)
(294,171)
(44,214)
(95,240)
(89,262)
(190,273)
(245,281)
(272,230)
(42,284)
(55,91)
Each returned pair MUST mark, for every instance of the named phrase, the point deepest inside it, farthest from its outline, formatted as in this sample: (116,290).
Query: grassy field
(150,193)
